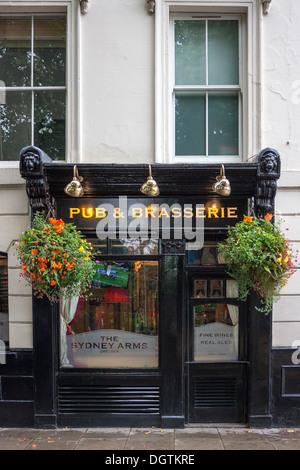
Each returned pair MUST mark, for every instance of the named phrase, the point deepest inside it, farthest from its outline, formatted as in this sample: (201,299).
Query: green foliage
(259,258)
(56,260)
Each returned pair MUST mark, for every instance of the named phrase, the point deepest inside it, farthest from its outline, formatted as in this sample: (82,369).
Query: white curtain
(233,292)
(221,259)
(67,313)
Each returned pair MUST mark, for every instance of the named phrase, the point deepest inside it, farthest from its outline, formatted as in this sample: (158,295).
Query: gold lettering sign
(207,212)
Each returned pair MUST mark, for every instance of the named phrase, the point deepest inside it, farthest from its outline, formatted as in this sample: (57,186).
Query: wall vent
(215,391)
(108,399)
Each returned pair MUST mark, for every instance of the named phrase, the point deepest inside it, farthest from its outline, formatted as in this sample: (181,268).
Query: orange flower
(42,269)
(56,265)
(268,217)
(65,255)
(52,283)
(247,218)
(24,268)
(60,222)
(33,252)
(58,228)
(68,266)
(52,221)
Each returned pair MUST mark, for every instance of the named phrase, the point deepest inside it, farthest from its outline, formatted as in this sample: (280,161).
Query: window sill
(10,174)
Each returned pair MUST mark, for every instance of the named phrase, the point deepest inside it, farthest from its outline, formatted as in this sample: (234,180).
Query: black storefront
(181,348)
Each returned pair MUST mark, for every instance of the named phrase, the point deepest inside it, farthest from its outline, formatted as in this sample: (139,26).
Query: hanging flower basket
(55,258)
(259,258)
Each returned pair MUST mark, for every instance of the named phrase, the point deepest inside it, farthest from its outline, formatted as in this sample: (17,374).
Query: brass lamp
(150,188)
(222,185)
(74,189)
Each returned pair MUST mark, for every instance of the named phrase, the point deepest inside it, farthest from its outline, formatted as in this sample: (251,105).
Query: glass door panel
(216,332)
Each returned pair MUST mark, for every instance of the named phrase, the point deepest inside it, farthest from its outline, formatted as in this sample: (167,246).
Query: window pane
(223,123)
(134,247)
(99,246)
(223,53)
(216,332)
(206,256)
(49,129)
(15,124)
(118,326)
(190,52)
(15,51)
(190,123)
(49,51)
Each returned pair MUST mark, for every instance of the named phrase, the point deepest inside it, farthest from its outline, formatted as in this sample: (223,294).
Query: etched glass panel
(118,326)
(216,332)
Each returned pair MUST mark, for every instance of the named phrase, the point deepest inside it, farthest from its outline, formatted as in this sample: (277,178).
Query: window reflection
(118,325)
(139,246)
(206,256)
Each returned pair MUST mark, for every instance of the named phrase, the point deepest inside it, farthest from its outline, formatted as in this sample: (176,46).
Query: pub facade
(163,340)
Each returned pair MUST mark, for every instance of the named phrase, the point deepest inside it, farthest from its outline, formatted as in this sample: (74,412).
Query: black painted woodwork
(262,386)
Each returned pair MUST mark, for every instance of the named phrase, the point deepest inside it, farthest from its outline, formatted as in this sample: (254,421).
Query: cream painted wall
(14,218)
(117,82)
(281,124)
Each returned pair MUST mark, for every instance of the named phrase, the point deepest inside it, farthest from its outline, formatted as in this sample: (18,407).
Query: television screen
(110,274)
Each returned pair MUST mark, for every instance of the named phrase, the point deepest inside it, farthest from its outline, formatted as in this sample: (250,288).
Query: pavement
(119,442)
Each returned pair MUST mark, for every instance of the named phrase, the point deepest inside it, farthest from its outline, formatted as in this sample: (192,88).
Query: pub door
(216,366)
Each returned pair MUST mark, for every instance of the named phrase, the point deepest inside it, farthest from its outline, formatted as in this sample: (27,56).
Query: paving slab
(283,439)
(150,439)
(91,443)
(111,433)
(244,439)
(59,439)
(198,439)
(17,438)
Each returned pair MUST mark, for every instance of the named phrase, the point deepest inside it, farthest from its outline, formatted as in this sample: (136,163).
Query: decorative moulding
(150,4)
(266,4)
(84,6)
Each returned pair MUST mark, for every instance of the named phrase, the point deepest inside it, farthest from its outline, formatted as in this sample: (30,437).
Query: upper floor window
(32,85)
(206,91)
(208,106)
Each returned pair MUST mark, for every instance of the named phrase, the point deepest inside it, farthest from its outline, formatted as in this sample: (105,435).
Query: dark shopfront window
(118,325)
